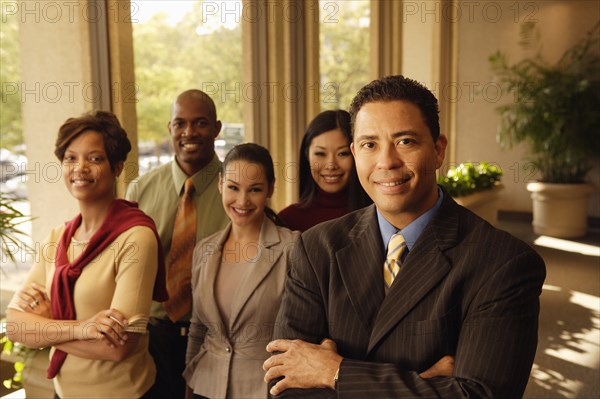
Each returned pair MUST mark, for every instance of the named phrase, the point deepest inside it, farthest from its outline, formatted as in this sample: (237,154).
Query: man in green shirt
(193,128)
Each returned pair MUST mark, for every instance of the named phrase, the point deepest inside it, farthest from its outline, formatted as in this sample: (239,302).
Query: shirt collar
(414,228)
(201,179)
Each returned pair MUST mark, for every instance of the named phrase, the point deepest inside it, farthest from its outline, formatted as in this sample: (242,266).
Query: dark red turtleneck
(324,207)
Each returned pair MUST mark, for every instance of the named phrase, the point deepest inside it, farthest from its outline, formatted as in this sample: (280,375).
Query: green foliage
(212,60)
(468,178)
(10,219)
(11,126)
(555,108)
(16,382)
(16,349)
(171,58)
(195,53)
(344,48)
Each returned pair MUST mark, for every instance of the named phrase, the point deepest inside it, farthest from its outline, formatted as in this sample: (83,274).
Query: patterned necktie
(179,271)
(392,264)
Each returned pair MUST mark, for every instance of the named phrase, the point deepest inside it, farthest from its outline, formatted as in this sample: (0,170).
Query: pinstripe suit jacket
(465,289)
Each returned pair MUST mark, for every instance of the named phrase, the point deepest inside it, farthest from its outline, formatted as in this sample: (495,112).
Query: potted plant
(475,186)
(30,368)
(555,111)
(29,364)
(10,233)
(15,354)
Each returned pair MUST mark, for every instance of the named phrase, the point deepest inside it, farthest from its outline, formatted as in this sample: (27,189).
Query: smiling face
(245,191)
(396,159)
(86,170)
(193,128)
(330,161)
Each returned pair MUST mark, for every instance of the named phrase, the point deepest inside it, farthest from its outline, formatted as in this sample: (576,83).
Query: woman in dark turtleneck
(329,186)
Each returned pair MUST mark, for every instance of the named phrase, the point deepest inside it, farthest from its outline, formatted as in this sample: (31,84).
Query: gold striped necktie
(396,247)
(179,272)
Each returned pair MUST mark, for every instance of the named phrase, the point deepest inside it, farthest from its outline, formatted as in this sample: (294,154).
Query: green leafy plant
(18,350)
(468,178)
(10,238)
(10,233)
(555,108)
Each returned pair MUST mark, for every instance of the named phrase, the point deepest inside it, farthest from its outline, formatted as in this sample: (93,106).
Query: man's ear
(218,127)
(440,150)
(352,149)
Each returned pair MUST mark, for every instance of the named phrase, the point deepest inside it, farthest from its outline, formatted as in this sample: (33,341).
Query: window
(13,162)
(344,54)
(180,45)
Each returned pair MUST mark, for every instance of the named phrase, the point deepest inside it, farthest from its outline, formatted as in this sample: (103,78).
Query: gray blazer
(221,364)
(465,289)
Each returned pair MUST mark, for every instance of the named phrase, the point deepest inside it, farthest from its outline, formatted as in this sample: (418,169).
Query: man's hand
(302,365)
(442,368)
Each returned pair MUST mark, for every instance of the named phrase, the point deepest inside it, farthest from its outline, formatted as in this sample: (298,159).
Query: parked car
(16,187)
(11,164)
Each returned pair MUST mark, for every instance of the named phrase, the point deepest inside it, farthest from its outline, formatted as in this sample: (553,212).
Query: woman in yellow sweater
(88,296)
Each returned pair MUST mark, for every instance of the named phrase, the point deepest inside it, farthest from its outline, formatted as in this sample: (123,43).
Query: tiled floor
(567,363)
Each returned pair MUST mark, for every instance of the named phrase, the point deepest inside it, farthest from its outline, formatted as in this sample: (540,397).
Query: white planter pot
(483,203)
(560,210)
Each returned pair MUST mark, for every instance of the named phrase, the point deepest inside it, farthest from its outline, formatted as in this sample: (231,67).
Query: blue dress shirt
(414,228)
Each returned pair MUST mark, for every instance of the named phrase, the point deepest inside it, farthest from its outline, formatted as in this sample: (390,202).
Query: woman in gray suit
(237,281)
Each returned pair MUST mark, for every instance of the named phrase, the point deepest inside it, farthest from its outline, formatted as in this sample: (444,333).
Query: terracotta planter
(560,210)
(483,203)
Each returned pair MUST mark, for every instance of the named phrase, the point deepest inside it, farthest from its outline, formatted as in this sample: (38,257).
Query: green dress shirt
(158,192)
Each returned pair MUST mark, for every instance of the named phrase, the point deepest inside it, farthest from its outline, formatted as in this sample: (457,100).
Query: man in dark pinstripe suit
(466,298)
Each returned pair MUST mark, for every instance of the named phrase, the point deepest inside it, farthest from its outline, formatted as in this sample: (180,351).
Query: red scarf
(122,216)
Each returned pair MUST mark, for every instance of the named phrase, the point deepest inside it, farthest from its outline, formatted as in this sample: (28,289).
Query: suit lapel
(421,271)
(269,254)
(358,266)
(213,264)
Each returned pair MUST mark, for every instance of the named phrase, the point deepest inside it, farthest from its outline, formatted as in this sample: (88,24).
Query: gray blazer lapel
(269,254)
(422,270)
(358,266)
(208,278)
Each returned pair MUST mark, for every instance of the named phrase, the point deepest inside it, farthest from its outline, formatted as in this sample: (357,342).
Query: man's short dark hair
(398,87)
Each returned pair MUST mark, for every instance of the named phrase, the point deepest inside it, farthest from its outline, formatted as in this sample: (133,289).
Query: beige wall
(418,30)
(66,71)
(488,26)
(56,83)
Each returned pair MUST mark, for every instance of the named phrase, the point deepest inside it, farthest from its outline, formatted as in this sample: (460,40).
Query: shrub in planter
(468,178)
(475,186)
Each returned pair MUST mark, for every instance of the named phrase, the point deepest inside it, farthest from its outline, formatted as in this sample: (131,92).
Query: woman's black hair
(325,122)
